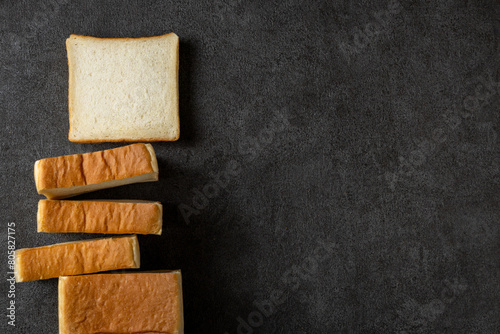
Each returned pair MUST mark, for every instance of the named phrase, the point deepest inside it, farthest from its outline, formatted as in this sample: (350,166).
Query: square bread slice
(71,175)
(123,89)
(103,216)
(147,302)
(75,258)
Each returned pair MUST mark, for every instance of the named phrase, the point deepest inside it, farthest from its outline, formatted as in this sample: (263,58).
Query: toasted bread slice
(123,89)
(71,175)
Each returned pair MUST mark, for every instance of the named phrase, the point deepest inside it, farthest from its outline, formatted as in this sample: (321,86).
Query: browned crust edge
(138,140)
(70,87)
(120,38)
(136,255)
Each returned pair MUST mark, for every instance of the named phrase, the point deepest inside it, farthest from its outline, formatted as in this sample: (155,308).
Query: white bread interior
(123,89)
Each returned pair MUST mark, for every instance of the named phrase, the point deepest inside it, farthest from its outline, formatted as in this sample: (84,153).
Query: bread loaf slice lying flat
(71,175)
(75,258)
(118,217)
(123,89)
(121,303)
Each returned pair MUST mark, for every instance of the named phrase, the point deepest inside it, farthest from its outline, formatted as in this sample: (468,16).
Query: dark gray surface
(359,172)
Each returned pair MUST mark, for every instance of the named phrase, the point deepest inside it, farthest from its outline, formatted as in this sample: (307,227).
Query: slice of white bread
(71,175)
(75,258)
(148,302)
(118,217)
(123,89)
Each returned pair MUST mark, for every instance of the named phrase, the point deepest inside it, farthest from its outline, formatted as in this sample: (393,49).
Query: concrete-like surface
(349,151)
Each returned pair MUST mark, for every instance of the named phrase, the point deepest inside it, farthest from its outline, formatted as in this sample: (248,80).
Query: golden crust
(121,303)
(71,84)
(75,258)
(99,217)
(93,141)
(91,168)
(76,36)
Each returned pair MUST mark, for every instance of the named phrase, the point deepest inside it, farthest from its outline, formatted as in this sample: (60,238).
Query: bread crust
(121,303)
(75,36)
(75,258)
(79,170)
(117,217)
(71,84)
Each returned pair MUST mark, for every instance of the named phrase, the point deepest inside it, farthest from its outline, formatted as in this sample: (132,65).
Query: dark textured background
(365,127)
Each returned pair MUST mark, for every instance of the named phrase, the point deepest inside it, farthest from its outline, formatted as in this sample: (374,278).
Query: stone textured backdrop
(337,171)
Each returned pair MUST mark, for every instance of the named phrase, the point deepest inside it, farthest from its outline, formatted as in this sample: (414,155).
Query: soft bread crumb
(123,89)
